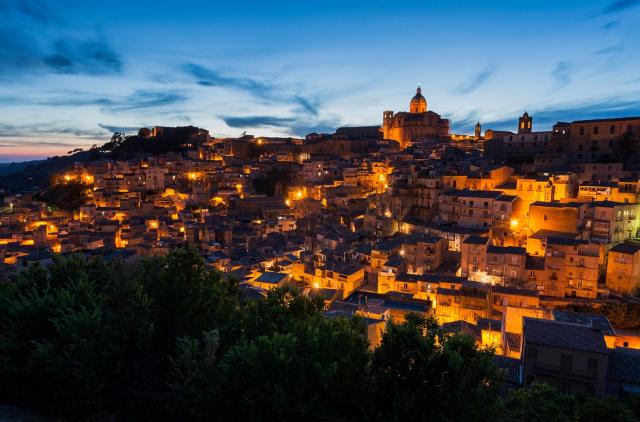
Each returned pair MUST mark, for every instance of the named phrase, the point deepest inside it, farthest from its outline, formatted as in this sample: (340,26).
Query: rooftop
(563,335)
(629,247)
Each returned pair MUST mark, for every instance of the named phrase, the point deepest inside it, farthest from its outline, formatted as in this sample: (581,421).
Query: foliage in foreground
(164,339)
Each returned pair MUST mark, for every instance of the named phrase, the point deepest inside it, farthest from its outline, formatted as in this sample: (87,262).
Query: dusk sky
(72,72)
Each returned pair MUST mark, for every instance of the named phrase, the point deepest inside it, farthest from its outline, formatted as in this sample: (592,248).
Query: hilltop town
(525,240)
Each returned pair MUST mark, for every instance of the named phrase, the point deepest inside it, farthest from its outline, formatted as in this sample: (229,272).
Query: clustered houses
(490,234)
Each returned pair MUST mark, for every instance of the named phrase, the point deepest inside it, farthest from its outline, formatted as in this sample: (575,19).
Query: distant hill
(36,175)
(11,168)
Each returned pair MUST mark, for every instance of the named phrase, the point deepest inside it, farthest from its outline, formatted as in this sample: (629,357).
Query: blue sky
(71,71)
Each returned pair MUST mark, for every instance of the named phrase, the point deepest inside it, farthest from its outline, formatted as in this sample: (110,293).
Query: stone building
(416,125)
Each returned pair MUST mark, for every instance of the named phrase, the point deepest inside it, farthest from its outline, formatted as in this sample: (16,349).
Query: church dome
(418,102)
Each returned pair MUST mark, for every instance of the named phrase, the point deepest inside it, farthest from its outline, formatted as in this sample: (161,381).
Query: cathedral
(416,125)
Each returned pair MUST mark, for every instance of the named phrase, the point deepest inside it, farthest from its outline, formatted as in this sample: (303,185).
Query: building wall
(623,272)
(546,368)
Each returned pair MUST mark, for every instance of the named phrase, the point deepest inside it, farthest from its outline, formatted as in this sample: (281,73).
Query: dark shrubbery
(163,338)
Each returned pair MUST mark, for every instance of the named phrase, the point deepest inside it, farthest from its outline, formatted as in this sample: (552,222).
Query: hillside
(36,175)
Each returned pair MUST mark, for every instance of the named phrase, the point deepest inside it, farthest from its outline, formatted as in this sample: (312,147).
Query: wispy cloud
(145,99)
(266,91)
(614,49)
(31,143)
(121,129)
(307,106)
(211,77)
(611,24)
(46,128)
(26,30)
(92,57)
(293,125)
(257,121)
(138,100)
(36,10)
(562,73)
(619,6)
(476,81)
(544,118)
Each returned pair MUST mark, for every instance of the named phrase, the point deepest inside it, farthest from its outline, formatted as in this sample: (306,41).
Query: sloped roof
(562,334)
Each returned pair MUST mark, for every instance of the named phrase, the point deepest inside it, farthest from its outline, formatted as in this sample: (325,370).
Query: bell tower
(525,123)
(478,131)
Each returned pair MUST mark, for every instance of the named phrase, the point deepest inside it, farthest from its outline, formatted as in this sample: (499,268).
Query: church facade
(416,125)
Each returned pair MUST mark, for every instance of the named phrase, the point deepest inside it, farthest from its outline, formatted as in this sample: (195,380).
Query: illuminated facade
(416,125)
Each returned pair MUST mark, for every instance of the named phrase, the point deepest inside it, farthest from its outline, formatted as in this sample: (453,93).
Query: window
(581,131)
(566,362)
(595,130)
(533,353)
(592,364)
(612,129)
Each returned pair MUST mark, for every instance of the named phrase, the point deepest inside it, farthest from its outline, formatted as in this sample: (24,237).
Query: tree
(87,337)
(421,373)
(164,338)
(67,196)
(315,371)
(542,402)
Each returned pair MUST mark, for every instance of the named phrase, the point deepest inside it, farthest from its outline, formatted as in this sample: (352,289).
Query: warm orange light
(316,285)
(67,177)
(299,194)
(387,213)
(514,223)
(288,202)
(193,176)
